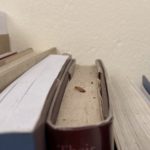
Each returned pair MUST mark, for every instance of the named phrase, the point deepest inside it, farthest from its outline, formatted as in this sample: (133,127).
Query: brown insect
(80,89)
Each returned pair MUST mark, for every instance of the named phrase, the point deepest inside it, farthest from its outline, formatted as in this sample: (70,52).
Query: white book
(11,71)
(23,102)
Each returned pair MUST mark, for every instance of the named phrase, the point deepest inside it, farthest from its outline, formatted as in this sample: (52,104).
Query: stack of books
(48,102)
(57,104)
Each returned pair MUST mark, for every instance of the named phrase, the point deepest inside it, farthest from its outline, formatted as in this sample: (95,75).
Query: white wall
(118,31)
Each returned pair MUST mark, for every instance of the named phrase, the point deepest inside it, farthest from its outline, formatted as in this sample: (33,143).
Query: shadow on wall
(17,37)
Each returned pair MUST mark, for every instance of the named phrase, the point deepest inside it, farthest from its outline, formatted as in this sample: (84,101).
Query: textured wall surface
(118,31)
(3,25)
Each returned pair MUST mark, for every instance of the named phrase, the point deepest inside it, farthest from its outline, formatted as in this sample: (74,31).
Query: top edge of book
(22,102)
(3,24)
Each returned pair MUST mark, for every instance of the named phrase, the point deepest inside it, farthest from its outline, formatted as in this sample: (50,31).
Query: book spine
(95,138)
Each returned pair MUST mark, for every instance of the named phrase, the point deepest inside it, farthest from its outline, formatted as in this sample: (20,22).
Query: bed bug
(80,89)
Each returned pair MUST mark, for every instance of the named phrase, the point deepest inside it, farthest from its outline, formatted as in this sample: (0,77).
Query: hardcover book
(80,115)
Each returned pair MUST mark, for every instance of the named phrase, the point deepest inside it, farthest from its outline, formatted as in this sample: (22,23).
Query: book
(80,116)
(24,105)
(6,55)
(11,71)
(131,114)
(14,56)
